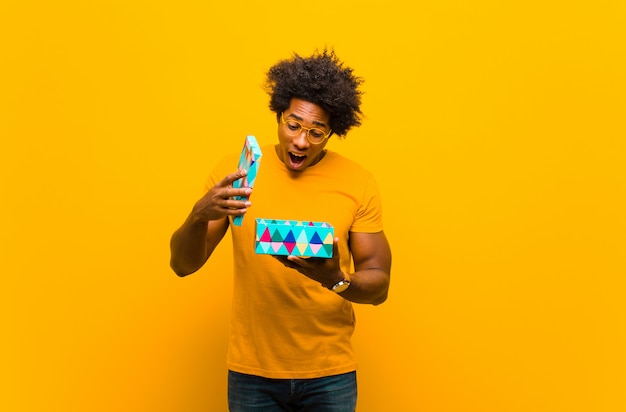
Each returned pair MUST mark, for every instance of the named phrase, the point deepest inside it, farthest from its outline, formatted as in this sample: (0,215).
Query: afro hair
(321,79)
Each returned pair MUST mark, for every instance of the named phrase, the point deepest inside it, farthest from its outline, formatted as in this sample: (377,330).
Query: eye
(293,126)
(317,133)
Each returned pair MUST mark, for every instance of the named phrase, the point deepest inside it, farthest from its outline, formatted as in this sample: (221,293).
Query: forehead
(307,112)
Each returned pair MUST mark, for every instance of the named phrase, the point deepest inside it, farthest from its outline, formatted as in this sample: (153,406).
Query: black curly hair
(321,79)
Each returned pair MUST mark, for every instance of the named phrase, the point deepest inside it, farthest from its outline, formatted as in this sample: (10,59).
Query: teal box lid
(250,160)
(294,237)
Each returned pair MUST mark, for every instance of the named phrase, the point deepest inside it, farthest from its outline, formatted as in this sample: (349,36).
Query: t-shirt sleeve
(226,166)
(369,216)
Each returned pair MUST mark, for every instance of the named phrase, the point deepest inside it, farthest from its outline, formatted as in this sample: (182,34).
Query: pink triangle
(266,237)
(290,246)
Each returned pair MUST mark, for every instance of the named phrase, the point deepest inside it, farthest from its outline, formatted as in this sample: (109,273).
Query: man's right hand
(219,201)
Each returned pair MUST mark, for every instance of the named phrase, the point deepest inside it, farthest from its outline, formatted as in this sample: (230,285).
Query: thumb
(335,246)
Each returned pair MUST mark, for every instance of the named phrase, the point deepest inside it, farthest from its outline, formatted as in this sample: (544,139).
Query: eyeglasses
(313,134)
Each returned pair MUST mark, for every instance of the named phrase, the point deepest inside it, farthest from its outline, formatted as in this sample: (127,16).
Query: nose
(301,139)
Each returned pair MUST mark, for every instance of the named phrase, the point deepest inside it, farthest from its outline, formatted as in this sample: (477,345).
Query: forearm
(369,286)
(189,247)
(369,283)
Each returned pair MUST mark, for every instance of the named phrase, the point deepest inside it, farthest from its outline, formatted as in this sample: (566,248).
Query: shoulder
(224,166)
(346,164)
(228,162)
(349,176)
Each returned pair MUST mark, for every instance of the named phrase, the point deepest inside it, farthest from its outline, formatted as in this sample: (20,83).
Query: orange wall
(496,130)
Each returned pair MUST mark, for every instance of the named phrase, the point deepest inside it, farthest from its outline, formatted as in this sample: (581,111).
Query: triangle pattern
(294,237)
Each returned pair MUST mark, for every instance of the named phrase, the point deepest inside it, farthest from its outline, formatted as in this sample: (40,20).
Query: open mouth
(296,159)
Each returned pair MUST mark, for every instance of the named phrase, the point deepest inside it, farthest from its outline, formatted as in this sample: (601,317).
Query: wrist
(339,276)
(341,284)
(196,219)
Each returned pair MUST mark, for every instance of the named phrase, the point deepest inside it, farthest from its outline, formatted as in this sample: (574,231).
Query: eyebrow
(300,119)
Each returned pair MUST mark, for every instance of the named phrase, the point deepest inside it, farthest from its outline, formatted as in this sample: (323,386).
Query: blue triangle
(315,239)
(290,238)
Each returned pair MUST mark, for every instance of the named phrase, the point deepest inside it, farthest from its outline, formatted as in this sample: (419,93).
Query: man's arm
(372,263)
(194,242)
(372,268)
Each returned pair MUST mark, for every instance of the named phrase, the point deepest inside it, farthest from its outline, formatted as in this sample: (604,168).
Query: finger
(233,212)
(297,260)
(235,204)
(228,180)
(229,193)
(335,247)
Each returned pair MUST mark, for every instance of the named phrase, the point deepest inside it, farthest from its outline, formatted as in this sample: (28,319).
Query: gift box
(294,237)
(249,160)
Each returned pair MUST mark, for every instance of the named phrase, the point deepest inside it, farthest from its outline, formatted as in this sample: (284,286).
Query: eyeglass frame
(307,129)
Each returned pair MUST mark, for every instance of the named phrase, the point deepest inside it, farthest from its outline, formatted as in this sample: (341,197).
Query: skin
(194,242)
(298,147)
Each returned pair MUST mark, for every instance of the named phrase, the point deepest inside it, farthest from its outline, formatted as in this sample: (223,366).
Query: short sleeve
(224,167)
(369,216)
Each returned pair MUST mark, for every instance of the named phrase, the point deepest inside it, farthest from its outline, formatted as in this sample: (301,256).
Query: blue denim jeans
(250,393)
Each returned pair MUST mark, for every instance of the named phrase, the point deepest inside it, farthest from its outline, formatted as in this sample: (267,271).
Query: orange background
(496,132)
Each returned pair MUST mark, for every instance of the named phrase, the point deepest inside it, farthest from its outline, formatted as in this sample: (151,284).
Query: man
(292,317)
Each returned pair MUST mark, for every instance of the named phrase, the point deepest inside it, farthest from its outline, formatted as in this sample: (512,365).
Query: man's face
(297,152)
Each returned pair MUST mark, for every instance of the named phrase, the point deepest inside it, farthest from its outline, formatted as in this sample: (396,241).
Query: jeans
(250,393)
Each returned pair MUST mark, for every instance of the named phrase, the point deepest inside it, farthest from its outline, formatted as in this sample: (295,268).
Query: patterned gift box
(294,237)
(249,160)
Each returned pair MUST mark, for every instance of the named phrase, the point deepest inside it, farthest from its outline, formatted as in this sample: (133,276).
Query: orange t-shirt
(283,324)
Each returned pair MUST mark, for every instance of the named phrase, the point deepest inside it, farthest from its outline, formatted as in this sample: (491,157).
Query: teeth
(297,155)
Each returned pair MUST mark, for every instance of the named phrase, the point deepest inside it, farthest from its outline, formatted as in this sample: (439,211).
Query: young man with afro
(292,317)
